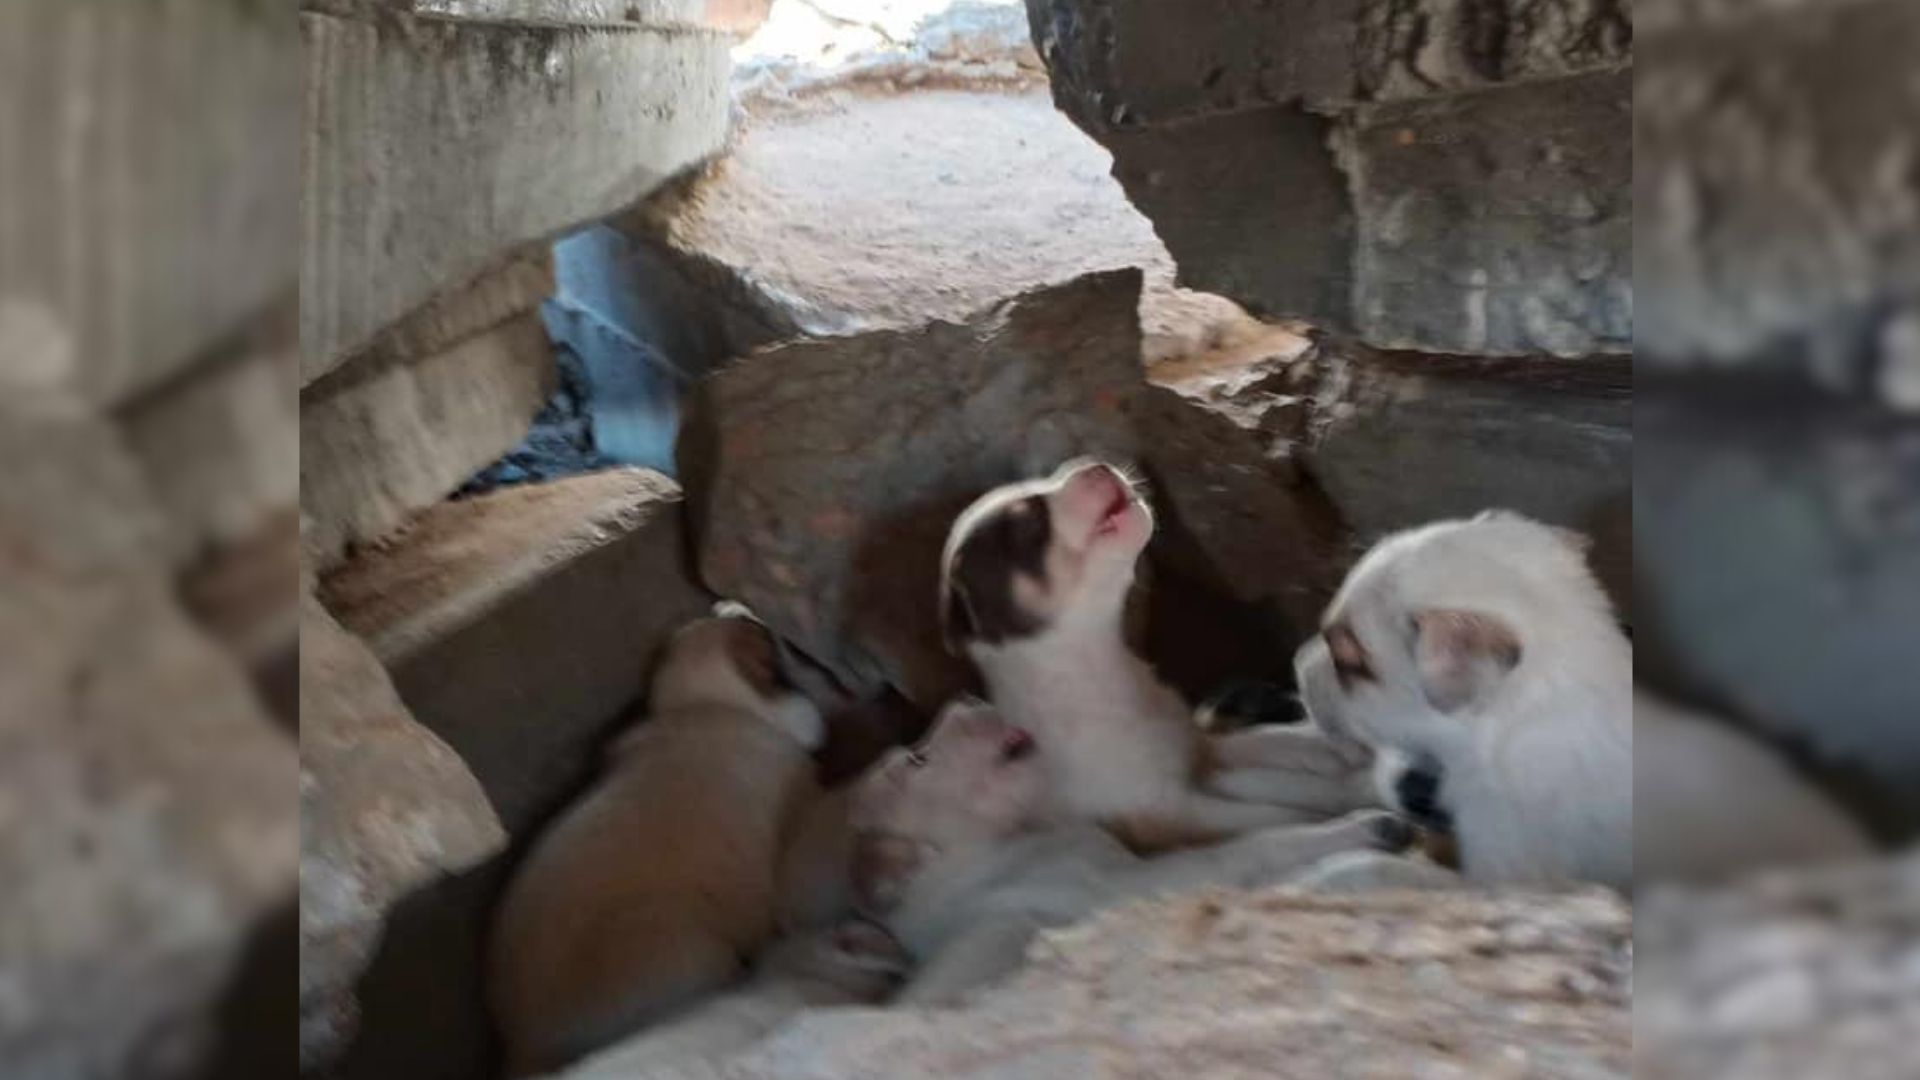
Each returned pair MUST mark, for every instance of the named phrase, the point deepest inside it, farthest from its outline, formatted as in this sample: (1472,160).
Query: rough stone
(145,247)
(486,136)
(1497,222)
(1232,985)
(147,822)
(520,624)
(1405,438)
(381,440)
(386,808)
(1777,551)
(1783,976)
(1117,66)
(828,472)
(1775,220)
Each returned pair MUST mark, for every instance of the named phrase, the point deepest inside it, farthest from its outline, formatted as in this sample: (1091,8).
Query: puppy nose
(1418,792)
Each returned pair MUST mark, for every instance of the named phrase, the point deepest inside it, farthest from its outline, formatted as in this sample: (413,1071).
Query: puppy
(1484,662)
(649,890)
(951,855)
(1034,582)
(855,963)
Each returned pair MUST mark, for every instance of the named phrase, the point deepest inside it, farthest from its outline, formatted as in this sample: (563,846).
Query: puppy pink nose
(1098,482)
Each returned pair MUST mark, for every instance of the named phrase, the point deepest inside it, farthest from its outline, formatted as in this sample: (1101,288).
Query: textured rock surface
(486,135)
(519,624)
(147,247)
(829,471)
(147,821)
(1497,222)
(1242,985)
(1403,439)
(386,808)
(1388,126)
(1776,229)
(383,439)
(1786,975)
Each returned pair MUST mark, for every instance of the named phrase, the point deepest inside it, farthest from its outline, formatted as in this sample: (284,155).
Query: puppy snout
(1418,792)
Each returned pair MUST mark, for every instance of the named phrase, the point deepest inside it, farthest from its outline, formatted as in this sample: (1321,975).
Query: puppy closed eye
(1350,661)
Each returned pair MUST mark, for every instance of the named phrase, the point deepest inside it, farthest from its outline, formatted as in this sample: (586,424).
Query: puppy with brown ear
(1484,662)
(952,856)
(651,889)
(1034,582)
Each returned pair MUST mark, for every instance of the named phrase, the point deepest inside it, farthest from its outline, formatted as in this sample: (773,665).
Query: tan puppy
(950,854)
(1034,582)
(1484,663)
(655,886)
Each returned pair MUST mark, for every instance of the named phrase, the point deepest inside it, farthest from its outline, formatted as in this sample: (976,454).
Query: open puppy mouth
(1017,745)
(1116,510)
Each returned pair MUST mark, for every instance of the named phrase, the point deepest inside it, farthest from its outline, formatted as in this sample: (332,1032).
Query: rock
(1497,222)
(1402,439)
(1388,126)
(1235,984)
(519,625)
(600,115)
(151,243)
(827,472)
(382,439)
(802,229)
(1777,568)
(385,807)
(1789,974)
(146,825)
(1770,233)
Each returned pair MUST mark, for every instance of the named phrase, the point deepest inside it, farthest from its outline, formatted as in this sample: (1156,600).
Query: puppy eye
(917,759)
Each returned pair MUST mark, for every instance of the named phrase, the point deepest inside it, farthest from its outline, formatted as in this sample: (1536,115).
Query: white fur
(1538,762)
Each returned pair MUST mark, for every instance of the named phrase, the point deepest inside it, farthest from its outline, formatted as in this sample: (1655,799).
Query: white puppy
(1484,661)
(950,857)
(650,891)
(1034,584)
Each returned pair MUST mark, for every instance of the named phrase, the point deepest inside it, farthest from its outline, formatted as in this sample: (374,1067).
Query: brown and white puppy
(651,889)
(855,963)
(1484,662)
(953,857)
(1034,582)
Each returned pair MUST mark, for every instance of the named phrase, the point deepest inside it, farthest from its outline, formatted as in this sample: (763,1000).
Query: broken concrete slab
(1401,439)
(827,472)
(386,808)
(381,440)
(1497,222)
(520,624)
(441,109)
(146,244)
(1209,987)
(150,829)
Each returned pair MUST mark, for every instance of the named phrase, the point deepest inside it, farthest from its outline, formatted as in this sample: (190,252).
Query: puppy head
(1434,623)
(974,779)
(732,661)
(1027,557)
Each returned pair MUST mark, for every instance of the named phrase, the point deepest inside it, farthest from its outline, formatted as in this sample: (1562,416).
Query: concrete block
(483,136)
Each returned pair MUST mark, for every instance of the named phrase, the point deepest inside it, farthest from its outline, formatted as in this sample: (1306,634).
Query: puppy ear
(957,621)
(1461,654)
(882,866)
